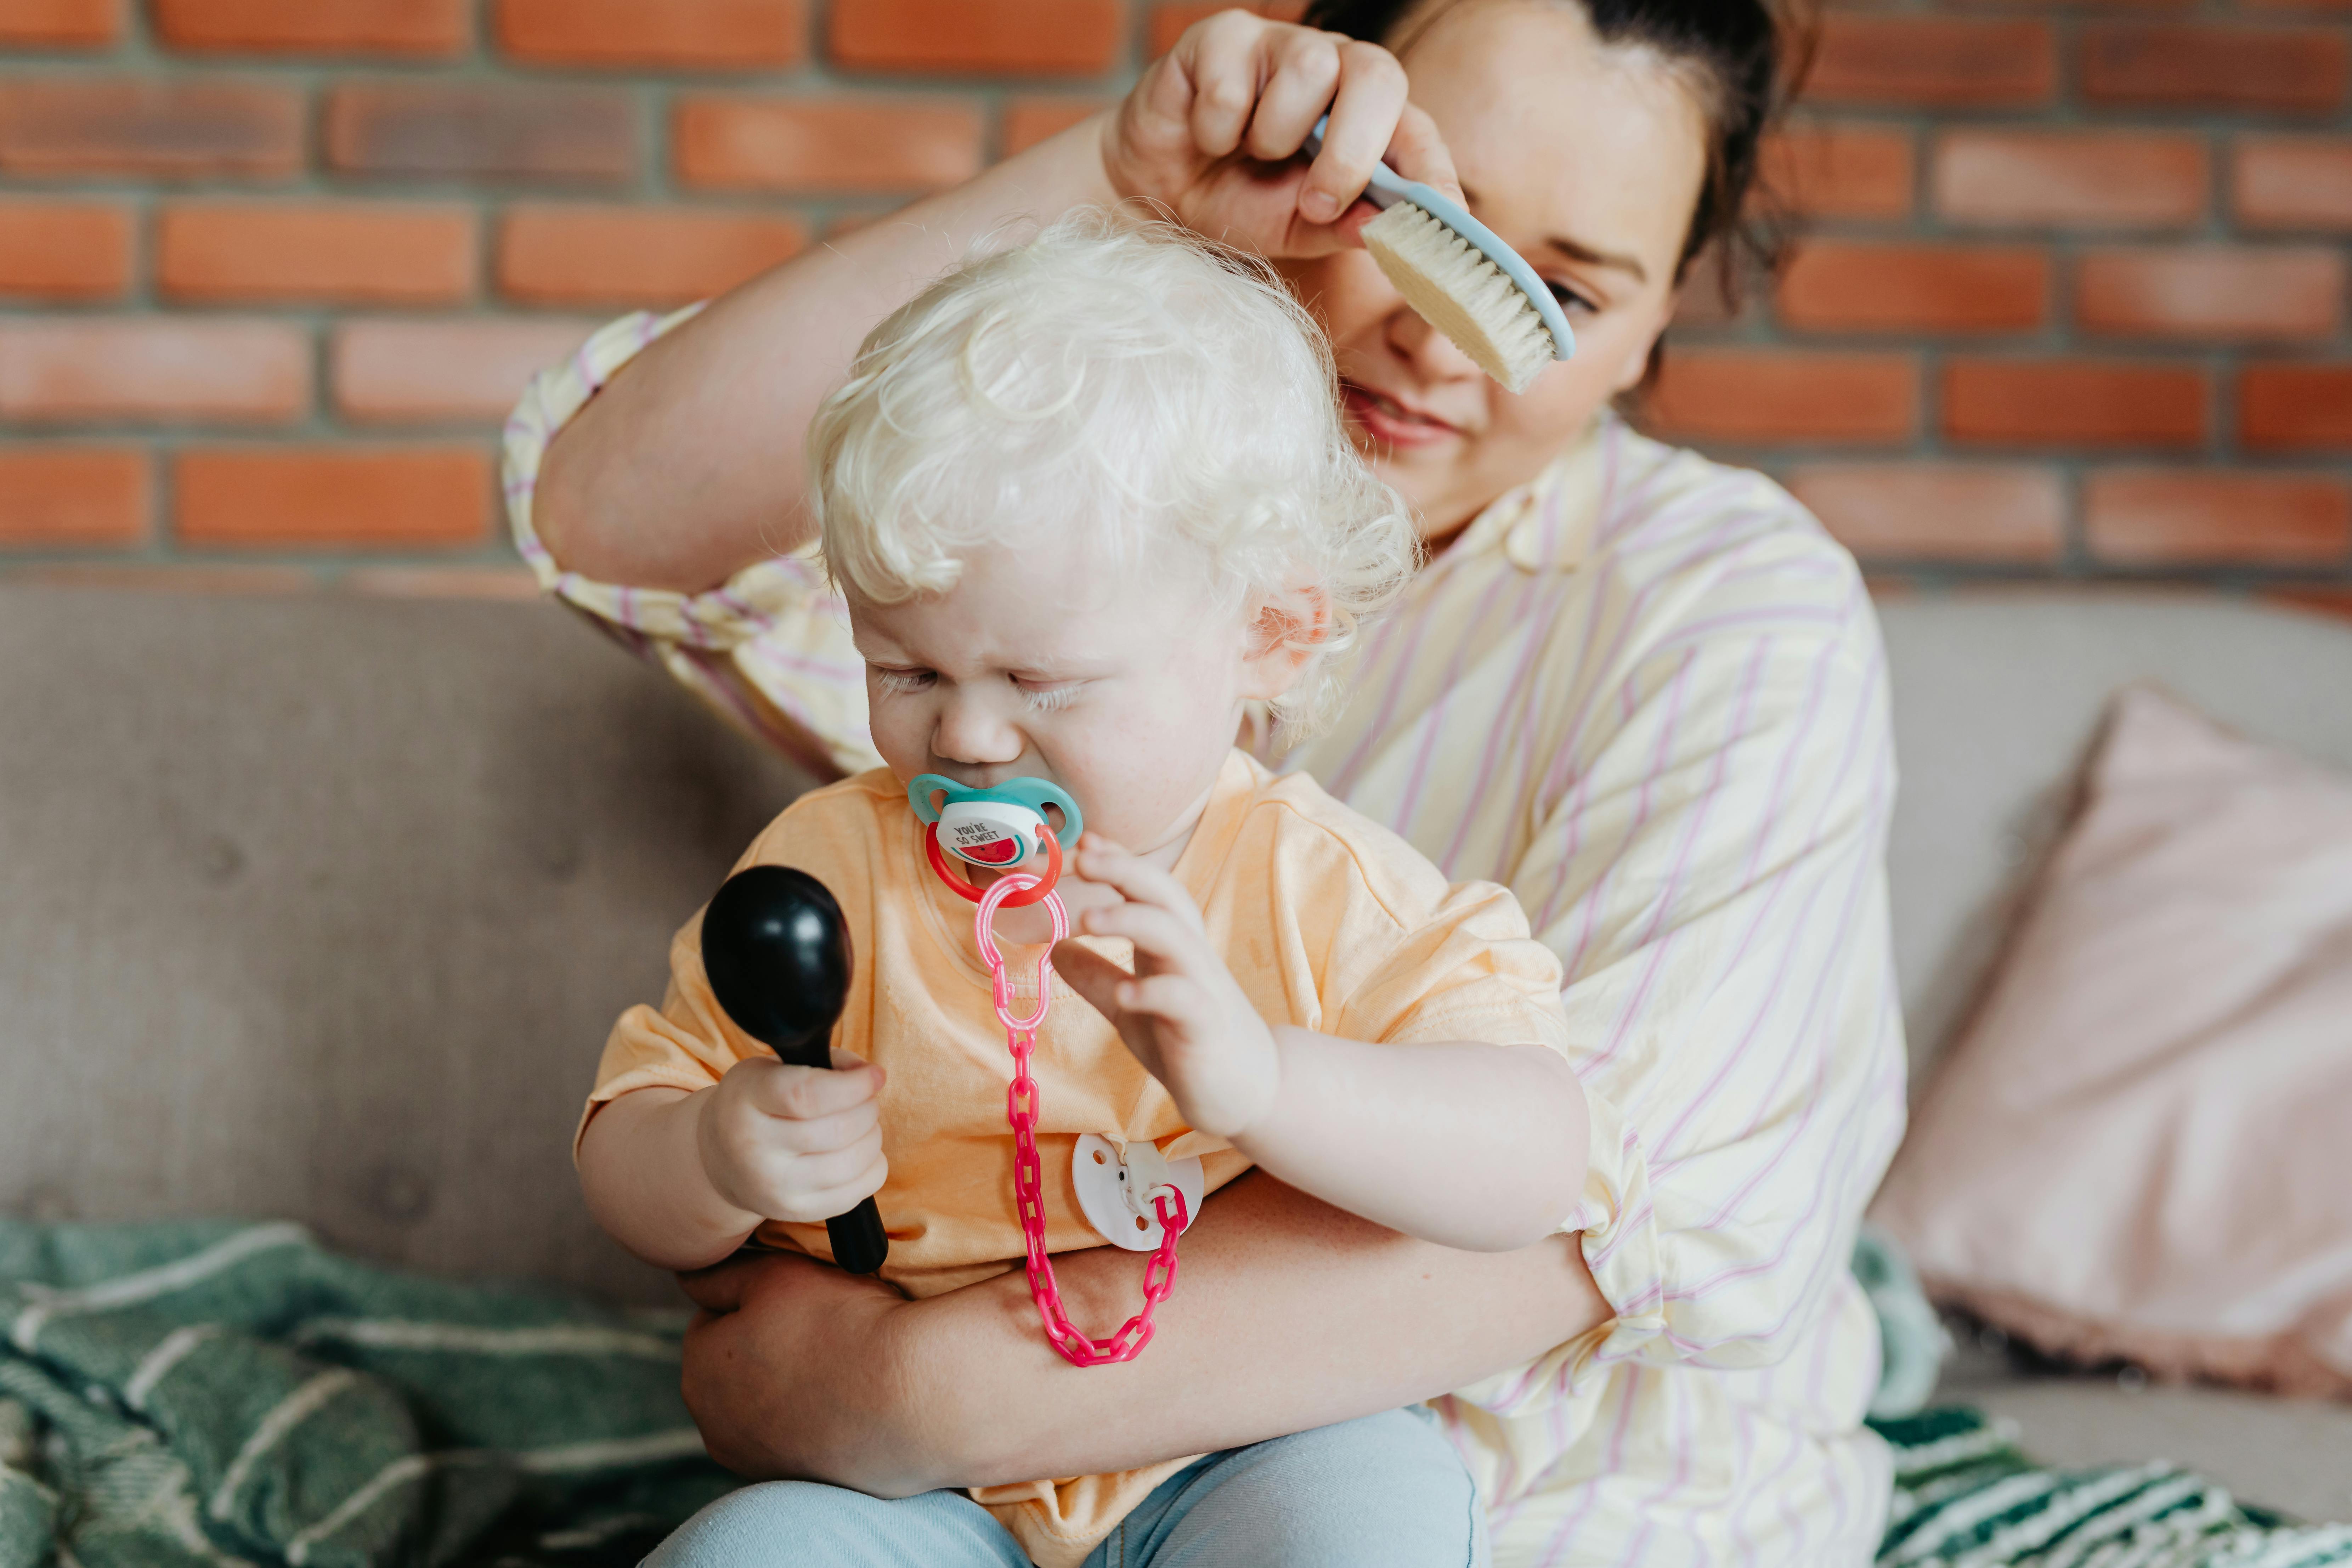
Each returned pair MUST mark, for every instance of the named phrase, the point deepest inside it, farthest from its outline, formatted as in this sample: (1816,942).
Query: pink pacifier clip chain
(1028,1170)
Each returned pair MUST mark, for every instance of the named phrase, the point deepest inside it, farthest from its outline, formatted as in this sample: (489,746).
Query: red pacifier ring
(948,874)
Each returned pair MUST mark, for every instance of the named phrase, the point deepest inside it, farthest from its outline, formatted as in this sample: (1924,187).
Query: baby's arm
(1470,1146)
(682,1179)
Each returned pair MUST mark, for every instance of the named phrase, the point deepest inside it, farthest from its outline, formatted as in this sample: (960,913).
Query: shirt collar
(1548,523)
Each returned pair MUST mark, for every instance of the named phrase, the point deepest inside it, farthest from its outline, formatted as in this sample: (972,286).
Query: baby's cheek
(1153,763)
(901,736)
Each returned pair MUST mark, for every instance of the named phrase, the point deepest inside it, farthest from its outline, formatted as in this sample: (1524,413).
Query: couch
(319,907)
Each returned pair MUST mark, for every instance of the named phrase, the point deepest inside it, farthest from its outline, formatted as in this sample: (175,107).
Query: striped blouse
(1646,692)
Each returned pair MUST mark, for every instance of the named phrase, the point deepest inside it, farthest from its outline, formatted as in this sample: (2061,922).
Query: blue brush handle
(1388,187)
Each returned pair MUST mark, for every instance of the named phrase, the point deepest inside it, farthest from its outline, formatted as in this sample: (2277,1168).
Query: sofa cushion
(2136,1150)
(321,908)
(1997,693)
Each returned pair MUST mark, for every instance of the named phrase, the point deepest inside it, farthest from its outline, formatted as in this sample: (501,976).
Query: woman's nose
(974,730)
(1430,351)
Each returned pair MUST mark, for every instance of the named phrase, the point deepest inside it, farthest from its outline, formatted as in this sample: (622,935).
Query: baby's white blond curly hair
(1123,374)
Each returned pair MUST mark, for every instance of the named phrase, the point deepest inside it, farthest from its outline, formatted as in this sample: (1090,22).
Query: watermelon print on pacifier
(997,827)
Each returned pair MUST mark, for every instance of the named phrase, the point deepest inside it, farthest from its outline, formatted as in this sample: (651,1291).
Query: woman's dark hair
(1746,67)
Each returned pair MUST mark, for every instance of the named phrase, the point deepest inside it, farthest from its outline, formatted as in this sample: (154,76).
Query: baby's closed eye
(1044,696)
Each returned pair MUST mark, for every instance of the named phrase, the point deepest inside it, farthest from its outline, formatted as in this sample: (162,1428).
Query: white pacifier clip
(1116,1178)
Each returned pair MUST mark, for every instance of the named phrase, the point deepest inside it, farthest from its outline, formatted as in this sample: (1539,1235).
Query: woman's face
(1586,159)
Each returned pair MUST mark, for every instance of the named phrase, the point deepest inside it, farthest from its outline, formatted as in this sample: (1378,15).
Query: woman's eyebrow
(1575,250)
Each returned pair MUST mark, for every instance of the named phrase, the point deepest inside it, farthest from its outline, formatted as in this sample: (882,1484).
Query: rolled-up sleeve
(769,648)
(1711,875)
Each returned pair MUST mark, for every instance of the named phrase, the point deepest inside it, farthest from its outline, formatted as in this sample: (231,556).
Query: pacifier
(998,827)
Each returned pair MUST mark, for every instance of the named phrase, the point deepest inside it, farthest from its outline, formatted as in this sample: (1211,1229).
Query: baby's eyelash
(1046,701)
(901,679)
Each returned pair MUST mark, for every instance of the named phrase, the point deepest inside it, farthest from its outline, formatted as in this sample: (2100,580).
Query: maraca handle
(860,1244)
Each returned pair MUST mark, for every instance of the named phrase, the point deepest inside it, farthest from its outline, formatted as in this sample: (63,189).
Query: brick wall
(2071,301)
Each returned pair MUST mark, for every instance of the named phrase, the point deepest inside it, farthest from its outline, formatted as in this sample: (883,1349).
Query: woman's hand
(1211,130)
(787,1365)
(1181,1012)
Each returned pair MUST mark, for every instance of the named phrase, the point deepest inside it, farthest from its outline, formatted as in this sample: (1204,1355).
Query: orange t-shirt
(1326,920)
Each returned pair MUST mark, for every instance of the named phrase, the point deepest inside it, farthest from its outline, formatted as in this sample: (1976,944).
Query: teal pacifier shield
(1030,794)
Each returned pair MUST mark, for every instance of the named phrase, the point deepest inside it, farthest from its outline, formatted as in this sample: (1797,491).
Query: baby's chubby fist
(794,1144)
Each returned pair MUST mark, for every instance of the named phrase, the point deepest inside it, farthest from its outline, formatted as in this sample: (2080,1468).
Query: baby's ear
(1286,632)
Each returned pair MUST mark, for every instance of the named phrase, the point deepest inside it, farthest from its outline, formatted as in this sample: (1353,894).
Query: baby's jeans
(1386,1491)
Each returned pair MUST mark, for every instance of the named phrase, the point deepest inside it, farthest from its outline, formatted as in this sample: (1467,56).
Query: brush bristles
(1461,293)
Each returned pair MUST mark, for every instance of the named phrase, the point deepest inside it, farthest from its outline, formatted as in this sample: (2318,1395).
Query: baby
(1091,501)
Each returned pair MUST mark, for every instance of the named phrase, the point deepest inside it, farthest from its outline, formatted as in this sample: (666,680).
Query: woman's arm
(1287,1314)
(688,466)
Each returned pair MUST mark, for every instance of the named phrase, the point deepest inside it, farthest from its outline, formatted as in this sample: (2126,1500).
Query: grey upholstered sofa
(319,907)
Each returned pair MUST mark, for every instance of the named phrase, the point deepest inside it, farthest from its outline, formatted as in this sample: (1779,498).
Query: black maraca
(778,957)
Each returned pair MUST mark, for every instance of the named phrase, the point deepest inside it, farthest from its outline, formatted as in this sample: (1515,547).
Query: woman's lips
(1390,423)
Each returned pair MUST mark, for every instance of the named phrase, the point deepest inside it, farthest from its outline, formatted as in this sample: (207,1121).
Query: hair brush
(1460,277)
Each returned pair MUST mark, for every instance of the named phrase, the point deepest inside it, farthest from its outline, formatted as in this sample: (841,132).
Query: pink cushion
(2141,1144)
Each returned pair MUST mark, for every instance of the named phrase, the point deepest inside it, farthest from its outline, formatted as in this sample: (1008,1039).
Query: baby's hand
(794,1144)
(1181,1011)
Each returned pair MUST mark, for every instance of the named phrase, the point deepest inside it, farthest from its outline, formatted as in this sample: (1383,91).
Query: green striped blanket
(200,1393)
(1965,1496)
(209,1393)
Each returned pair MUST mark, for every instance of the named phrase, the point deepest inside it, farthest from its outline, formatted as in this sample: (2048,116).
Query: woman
(1644,691)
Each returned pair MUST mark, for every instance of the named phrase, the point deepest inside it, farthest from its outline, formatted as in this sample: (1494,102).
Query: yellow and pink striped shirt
(1646,693)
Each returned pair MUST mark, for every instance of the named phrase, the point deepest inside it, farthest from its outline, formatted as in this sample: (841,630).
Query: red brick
(2070,179)
(2073,402)
(993,37)
(502,131)
(2149,517)
(167,130)
(685,35)
(1753,394)
(1840,170)
(2211,292)
(2292,182)
(466,370)
(424,29)
(1937,512)
(635,255)
(64,250)
(2198,65)
(344,252)
(1029,120)
(59,24)
(1168,23)
(2317,598)
(1938,61)
(154,370)
(398,496)
(73,496)
(2138,5)
(825,145)
(1840,286)
(2296,408)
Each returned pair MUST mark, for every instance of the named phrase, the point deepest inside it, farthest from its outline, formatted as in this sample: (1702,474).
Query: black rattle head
(777,953)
